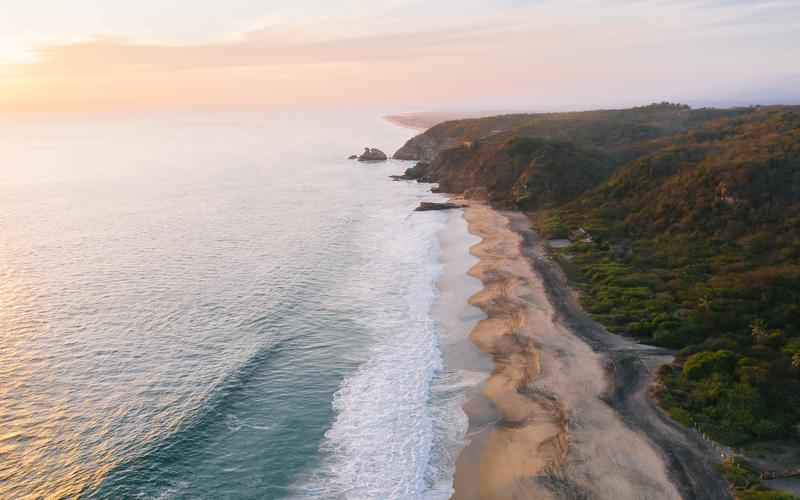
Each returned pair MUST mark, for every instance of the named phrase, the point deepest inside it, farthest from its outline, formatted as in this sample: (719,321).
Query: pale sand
(529,437)
(540,427)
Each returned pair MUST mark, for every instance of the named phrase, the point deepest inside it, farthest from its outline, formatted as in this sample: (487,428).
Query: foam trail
(398,417)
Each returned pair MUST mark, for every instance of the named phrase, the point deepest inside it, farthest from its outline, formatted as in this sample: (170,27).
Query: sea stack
(372,154)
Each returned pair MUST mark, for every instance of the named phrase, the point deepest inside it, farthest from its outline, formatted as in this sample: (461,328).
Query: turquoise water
(218,306)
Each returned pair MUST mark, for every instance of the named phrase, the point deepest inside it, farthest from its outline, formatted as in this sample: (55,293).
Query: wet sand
(513,436)
(452,310)
(549,422)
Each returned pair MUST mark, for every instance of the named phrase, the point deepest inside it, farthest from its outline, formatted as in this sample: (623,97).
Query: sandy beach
(514,436)
(549,422)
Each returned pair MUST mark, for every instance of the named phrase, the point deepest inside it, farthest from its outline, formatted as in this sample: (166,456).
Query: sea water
(215,306)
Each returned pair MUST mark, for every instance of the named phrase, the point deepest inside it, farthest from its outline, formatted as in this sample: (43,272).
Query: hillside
(607,130)
(686,234)
(521,172)
(531,161)
(697,247)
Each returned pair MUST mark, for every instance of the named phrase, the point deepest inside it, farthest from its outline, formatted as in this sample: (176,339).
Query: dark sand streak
(631,369)
(516,435)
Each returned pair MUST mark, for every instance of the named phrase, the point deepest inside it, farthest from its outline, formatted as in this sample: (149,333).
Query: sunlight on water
(183,295)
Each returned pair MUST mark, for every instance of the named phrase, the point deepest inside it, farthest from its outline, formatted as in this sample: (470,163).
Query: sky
(396,55)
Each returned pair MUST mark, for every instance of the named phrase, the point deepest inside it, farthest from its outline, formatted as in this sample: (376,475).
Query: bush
(703,364)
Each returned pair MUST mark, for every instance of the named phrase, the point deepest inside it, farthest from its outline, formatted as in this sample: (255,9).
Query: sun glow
(561,54)
(14,52)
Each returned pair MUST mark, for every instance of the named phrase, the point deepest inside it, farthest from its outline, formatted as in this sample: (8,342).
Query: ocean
(215,306)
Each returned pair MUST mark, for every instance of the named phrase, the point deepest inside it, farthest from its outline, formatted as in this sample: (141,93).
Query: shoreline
(535,433)
(506,423)
(464,365)
(408,122)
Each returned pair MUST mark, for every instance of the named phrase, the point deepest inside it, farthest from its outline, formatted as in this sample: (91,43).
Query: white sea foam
(399,422)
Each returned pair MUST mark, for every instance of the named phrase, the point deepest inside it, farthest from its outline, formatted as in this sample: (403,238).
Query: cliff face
(425,147)
(452,134)
(520,173)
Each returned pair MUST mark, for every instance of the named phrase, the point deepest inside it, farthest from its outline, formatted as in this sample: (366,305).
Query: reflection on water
(179,298)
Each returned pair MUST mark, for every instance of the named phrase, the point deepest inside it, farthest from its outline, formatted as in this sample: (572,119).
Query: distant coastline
(422,121)
(410,121)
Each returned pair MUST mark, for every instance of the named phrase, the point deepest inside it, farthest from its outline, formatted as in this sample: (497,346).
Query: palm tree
(758,329)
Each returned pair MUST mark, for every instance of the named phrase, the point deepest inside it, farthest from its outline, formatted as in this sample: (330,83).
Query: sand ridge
(528,436)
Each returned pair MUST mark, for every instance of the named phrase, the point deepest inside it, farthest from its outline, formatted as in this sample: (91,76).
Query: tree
(758,329)
(703,364)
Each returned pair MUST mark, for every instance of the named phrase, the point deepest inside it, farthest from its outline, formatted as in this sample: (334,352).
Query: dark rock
(427,206)
(352,157)
(477,193)
(372,154)
(419,173)
(425,147)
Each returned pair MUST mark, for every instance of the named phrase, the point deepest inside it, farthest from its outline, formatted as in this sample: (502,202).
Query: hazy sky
(395,54)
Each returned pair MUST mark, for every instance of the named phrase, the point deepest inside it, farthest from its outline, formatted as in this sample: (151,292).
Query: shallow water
(222,306)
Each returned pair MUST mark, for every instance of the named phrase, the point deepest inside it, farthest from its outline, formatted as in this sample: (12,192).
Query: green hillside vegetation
(747,484)
(522,172)
(544,160)
(696,247)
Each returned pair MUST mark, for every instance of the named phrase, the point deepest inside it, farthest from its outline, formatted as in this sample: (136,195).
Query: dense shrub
(696,247)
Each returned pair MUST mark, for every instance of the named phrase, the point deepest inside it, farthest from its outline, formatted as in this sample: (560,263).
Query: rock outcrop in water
(427,206)
(372,154)
(419,172)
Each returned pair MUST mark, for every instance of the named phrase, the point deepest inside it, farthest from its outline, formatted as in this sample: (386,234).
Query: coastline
(410,122)
(536,433)
(422,121)
(464,365)
(506,423)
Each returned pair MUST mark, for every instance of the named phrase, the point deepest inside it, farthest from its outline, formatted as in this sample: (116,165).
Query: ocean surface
(219,306)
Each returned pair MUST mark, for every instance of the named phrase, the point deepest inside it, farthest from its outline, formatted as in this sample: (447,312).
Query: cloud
(517,24)
(263,47)
(538,50)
